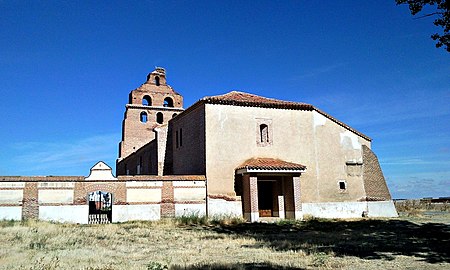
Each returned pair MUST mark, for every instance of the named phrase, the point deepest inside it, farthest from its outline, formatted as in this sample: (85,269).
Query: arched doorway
(100,207)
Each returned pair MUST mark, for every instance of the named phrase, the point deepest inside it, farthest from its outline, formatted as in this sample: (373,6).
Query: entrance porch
(270,188)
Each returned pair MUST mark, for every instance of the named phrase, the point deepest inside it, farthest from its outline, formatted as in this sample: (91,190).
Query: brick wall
(374,182)
(147,154)
(189,149)
(137,133)
(30,206)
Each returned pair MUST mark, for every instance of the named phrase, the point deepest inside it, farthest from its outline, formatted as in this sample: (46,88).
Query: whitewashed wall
(122,213)
(382,209)
(11,212)
(65,213)
(349,209)
(143,195)
(56,196)
(13,196)
(223,208)
(190,209)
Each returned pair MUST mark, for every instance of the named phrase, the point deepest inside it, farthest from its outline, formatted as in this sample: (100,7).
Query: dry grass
(418,207)
(225,244)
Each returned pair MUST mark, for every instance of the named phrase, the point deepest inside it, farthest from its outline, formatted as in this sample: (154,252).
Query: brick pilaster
(167,200)
(30,205)
(250,197)
(297,198)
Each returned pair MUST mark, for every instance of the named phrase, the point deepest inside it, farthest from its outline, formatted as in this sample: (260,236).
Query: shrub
(7,223)
(224,220)
(192,218)
(156,266)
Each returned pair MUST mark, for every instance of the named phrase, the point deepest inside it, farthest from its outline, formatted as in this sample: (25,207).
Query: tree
(442,14)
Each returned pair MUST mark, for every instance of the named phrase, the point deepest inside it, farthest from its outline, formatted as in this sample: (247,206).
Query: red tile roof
(245,99)
(41,178)
(269,164)
(162,178)
(120,178)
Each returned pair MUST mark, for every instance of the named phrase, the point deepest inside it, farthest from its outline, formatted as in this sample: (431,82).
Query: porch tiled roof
(270,164)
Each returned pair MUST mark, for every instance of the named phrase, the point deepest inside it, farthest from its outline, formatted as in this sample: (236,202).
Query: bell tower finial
(157,76)
(151,105)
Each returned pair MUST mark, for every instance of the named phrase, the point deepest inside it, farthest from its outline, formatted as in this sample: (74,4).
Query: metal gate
(100,207)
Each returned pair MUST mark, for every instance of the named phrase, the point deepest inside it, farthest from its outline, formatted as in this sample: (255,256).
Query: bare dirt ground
(419,242)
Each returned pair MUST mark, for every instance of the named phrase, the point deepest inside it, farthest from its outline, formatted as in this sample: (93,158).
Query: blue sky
(66,68)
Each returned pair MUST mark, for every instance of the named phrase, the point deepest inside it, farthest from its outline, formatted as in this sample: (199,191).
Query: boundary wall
(65,199)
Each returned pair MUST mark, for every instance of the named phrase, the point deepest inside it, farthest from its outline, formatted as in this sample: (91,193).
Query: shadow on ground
(366,239)
(246,266)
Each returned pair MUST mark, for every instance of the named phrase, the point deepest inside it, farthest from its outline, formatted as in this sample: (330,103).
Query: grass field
(418,242)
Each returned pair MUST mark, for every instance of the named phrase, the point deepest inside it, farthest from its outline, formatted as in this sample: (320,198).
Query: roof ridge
(230,98)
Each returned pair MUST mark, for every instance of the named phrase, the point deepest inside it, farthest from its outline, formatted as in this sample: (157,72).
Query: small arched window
(147,101)
(143,117)
(168,102)
(264,133)
(157,80)
(159,118)
(173,115)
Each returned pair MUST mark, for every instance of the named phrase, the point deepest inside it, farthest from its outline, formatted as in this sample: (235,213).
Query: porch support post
(278,205)
(293,199)
(297,199)
(281,211)
(250,200)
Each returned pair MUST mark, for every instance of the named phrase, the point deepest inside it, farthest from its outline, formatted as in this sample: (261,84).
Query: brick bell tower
(151,105)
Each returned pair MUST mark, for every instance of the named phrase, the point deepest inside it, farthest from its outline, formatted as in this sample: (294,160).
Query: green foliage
(7,223)
(38,241)
(192,219)
(320,259)
(287,222)
(224,220)
(195,219)
(442,12)
(156,266)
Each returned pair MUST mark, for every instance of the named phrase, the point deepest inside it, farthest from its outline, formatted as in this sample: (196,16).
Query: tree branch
(428,15)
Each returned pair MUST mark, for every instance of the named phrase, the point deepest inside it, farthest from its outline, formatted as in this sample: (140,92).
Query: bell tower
(149,106)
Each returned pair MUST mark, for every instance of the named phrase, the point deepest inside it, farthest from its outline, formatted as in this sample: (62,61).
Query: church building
(236,154)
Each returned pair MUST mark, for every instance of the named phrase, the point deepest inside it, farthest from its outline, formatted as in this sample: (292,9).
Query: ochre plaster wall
(305,137)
